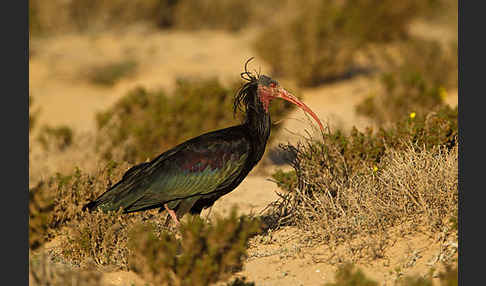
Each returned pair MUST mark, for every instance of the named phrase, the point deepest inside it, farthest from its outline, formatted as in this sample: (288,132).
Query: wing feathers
(197,167)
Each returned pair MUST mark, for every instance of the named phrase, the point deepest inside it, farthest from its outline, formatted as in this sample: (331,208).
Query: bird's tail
(119,195)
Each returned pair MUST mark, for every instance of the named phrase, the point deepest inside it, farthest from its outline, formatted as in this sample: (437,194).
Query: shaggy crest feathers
(243,97)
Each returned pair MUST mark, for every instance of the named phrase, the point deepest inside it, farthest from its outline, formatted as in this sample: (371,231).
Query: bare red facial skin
(265,95)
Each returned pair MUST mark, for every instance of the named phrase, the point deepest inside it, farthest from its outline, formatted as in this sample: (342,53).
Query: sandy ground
(65,97)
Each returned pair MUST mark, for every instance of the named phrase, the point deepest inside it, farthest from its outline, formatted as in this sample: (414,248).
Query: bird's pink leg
(172,214)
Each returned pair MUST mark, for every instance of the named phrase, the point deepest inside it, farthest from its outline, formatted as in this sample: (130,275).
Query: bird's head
(260,90)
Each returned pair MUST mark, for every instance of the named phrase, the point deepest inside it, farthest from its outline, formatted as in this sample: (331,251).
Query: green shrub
(240,282)
(435,62)
(369,19)
(402,97)
(448,277)
(109,74)
(59,137)
(313,41)
(415,281)
(41,203)
(51,205)
(230,15)
(204,254)
(56,201)
(198,254)
(74,190)
(347,275)
(57,16)
(285,180)
(434,128)
(55,208)
(89,15)
(416,84)
(441,12)
(143,124)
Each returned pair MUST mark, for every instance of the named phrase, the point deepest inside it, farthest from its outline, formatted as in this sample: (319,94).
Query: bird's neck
(258,124)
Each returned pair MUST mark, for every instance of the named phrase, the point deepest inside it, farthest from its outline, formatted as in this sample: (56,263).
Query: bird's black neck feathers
(257,119)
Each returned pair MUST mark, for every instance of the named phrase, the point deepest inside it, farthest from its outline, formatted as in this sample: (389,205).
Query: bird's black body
(194,174)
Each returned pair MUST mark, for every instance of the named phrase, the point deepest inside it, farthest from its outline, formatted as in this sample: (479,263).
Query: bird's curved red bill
(283,94)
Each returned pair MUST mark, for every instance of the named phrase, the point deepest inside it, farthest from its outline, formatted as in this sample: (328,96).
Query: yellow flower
(442,93)
(375,169)
(412,115)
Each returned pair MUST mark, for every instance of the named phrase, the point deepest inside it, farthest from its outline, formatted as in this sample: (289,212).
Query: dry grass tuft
(426,182)
(337,201)
(99,237)
(56,202)
(102,238)
(78,188)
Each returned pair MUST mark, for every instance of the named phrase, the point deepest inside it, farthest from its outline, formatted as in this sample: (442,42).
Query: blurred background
(127,79)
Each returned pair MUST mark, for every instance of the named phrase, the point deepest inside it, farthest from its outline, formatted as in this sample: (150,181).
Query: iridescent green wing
(198,167)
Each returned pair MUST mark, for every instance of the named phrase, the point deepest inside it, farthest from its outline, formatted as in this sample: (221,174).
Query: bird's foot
(172,215)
